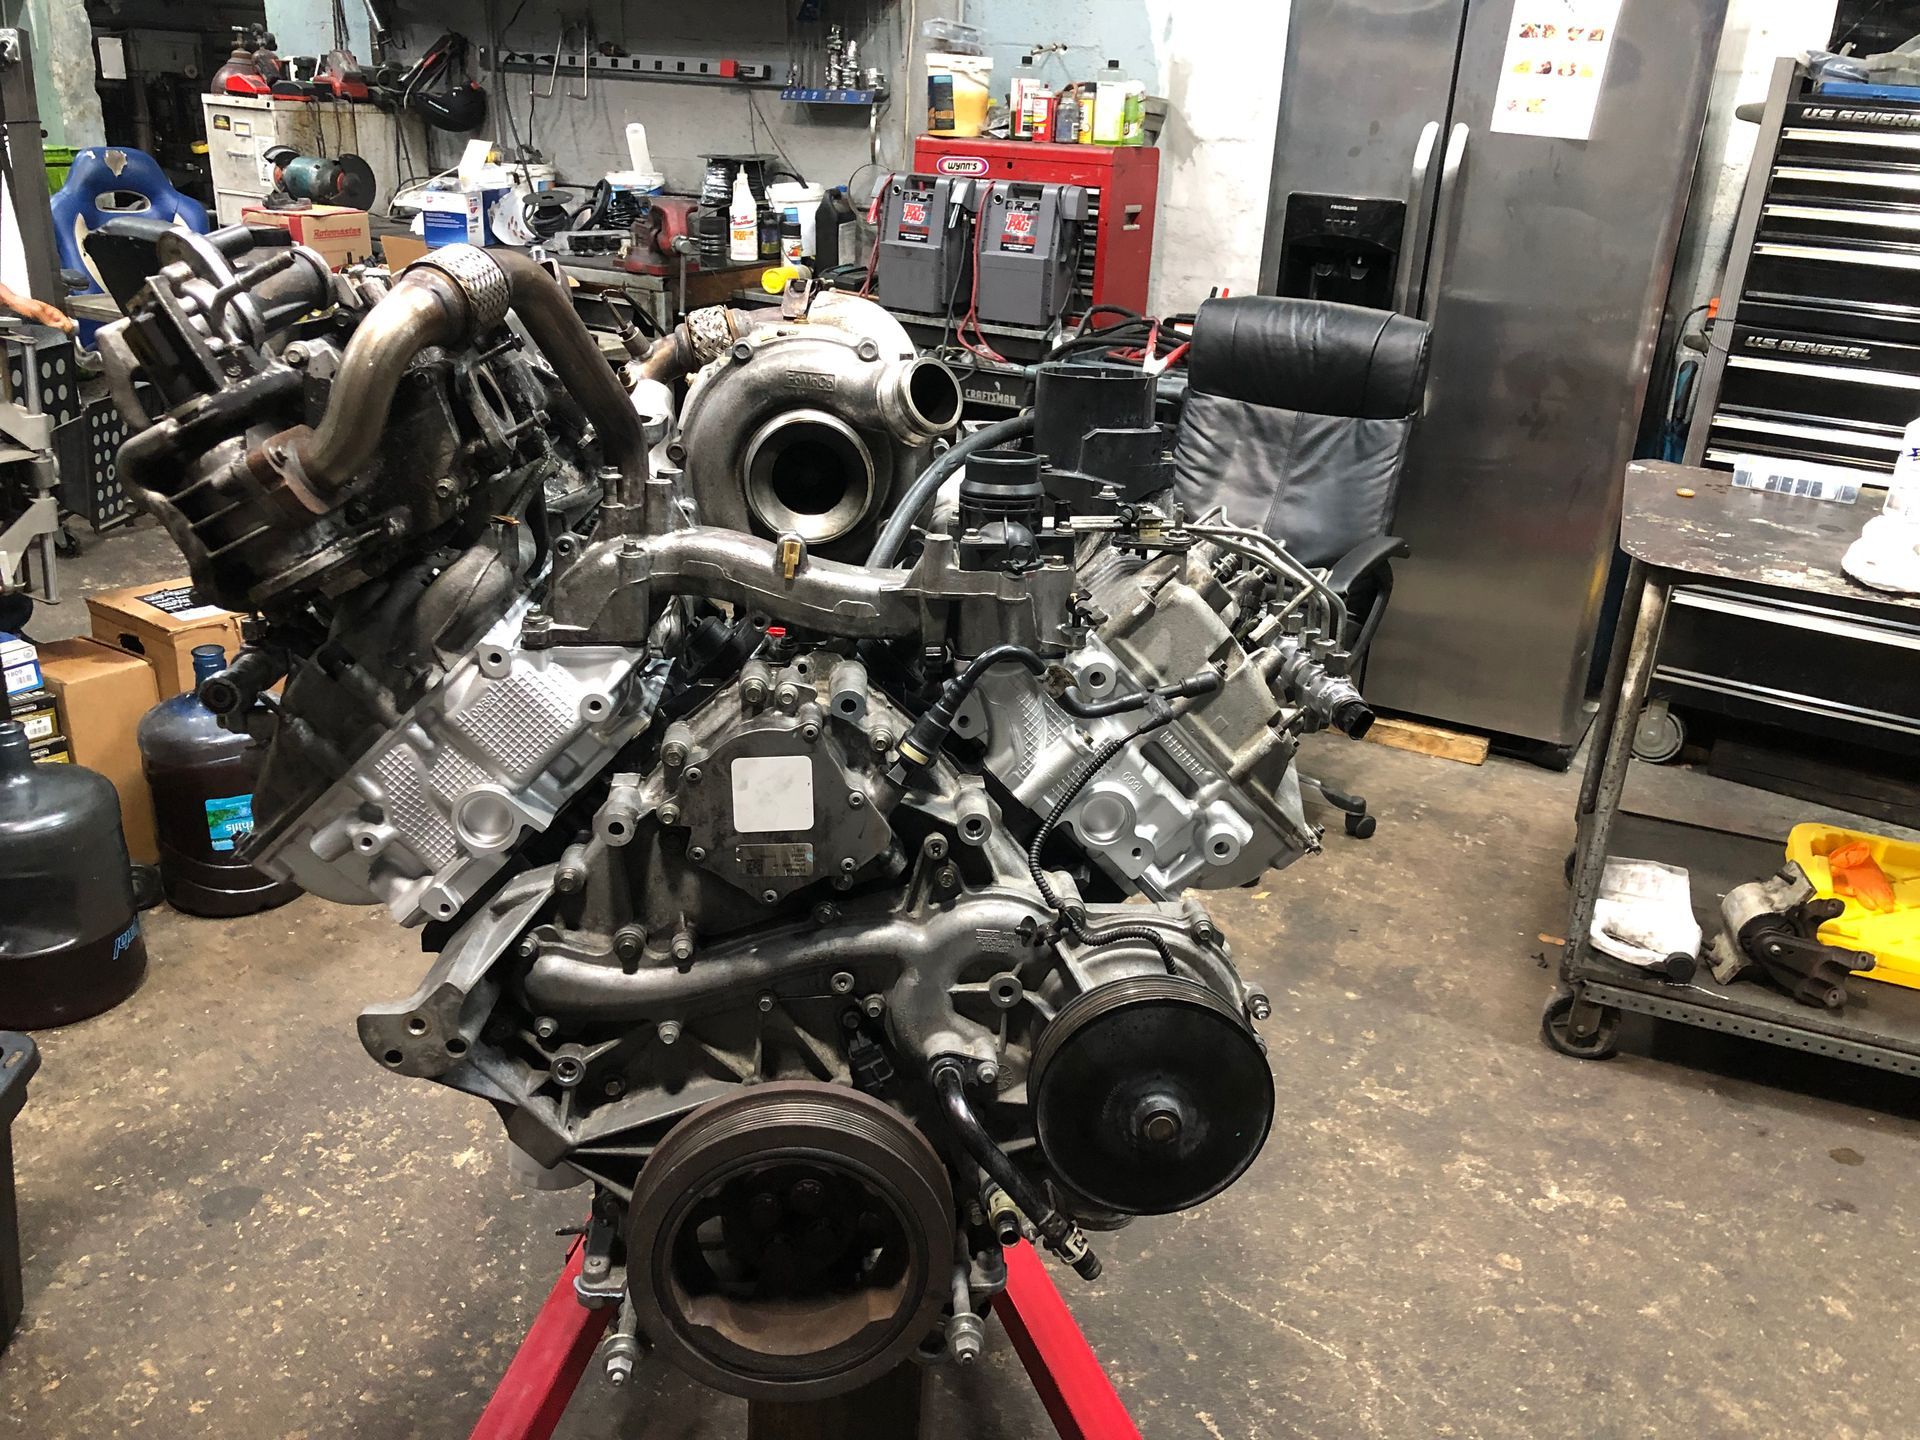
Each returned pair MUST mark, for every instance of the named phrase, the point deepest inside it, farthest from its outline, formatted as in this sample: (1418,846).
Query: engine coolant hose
(1057,1232)
(920,494)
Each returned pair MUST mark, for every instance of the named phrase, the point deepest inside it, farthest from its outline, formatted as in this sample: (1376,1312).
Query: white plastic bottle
(743,223)
(1110,105)
(1903,495)
(1887,554)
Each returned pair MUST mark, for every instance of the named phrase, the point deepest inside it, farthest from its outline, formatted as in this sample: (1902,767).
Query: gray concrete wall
(305,27)
(1759,33)
(685,121)
(1218,63)
(63,72)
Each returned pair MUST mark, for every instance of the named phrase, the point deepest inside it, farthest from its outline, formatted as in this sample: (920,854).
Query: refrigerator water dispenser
(1342,248)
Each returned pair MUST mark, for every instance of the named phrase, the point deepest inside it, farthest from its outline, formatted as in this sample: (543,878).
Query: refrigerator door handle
(1413,238)
(1450,169)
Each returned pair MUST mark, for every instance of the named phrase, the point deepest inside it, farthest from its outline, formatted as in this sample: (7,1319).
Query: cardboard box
(163,622)
(344,236)
(18,667)
(103,693)
(457,217)
(401,250)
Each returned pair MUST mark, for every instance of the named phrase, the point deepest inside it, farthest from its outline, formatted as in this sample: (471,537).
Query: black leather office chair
(1297,420)
(1296,423)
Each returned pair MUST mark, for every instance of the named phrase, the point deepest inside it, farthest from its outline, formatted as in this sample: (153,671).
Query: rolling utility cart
(1707,554)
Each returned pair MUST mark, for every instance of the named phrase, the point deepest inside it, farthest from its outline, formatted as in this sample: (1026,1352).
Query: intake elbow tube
(914,401)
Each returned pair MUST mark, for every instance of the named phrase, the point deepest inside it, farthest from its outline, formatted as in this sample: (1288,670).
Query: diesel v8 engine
(804,816)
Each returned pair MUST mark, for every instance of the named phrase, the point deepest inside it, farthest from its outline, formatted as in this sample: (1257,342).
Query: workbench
(1688,534)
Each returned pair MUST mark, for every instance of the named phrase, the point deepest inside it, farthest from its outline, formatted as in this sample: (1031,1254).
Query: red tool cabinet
(1122,182)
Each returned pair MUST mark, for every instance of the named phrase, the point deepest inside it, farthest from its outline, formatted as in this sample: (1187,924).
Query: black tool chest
(1814,362)
(1817,358)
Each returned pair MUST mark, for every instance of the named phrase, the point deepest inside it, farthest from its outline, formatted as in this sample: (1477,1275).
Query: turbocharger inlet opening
(933,394)
(810,474)
(808,477)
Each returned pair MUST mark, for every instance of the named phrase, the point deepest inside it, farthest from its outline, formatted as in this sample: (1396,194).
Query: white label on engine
(772,792)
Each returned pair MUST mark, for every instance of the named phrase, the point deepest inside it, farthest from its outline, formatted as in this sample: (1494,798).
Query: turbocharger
(811,427)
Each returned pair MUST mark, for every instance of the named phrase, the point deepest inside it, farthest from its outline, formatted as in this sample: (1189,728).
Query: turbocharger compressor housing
(812,429)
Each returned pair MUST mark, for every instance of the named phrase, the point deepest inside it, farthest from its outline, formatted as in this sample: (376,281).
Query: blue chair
(98,184)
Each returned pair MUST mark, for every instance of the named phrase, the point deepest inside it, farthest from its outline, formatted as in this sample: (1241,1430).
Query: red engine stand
(540,1379)
(1066,1374)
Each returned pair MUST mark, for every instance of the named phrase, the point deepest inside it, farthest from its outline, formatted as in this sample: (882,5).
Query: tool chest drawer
(1819,398)
(1866,288)
(1837,247)
(1878,133)
(1841,670)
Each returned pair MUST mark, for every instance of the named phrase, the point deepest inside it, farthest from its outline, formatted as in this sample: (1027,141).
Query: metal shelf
(809,95)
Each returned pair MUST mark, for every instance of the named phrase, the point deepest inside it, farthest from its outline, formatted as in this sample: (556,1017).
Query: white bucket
(637,181)
(804,198)
(959,90)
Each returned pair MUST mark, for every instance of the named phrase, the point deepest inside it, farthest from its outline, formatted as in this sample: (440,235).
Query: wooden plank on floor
(1429,740)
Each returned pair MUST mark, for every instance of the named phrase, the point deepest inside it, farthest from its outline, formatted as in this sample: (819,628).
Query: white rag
(1887,555)
(1644,913)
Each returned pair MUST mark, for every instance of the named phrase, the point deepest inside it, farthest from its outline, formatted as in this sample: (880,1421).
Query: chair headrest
(1310,355)
(100,169)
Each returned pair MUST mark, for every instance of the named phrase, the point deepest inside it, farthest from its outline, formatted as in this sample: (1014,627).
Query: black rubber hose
(235,688)
(1120,337)
(920,494)
(1057,1232)
(930,731)
(1086,320)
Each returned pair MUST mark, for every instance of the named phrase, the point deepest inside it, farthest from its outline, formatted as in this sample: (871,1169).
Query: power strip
(636,67)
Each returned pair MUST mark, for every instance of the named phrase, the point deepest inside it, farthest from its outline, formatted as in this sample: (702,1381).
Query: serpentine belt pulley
(1150,1094)
(790,1242)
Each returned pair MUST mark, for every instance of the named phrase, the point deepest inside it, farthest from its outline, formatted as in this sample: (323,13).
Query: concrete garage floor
(236,1225)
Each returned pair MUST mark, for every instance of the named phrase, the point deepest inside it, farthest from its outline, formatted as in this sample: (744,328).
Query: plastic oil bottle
(1118,108)
(743,222)
(202,778)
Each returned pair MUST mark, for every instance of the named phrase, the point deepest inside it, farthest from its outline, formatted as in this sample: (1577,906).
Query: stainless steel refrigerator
(1543,266)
